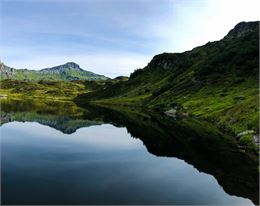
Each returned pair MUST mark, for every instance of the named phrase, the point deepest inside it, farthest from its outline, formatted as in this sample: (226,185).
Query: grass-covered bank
(63,90)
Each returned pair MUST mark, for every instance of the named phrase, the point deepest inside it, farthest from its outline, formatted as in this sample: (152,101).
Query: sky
(112,37)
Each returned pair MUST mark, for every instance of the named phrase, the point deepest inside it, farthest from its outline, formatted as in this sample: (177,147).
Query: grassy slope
(50,89)
(217,82)
(46,89)
(36,76)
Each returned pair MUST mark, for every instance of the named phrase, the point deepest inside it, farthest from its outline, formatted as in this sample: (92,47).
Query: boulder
(171,113)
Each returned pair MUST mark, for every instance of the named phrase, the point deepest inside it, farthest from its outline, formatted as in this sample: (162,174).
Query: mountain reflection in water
(197,143)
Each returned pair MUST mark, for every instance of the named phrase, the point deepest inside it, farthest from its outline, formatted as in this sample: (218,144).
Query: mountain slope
(67,72)
(217,81)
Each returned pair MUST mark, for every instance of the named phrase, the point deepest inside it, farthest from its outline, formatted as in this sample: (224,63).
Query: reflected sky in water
(97,165)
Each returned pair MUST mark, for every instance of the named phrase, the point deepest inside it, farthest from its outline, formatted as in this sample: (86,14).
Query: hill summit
(66,72)
(242,28)
(62,68)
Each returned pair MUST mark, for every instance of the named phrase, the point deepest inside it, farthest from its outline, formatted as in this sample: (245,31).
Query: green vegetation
(217,82)
(246,140)
(59,90)
(66,72)
(46,89)
(214,90)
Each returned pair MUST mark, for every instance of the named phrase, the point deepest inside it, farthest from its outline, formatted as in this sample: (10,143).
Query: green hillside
(66,72)
(217,82)
(66,90)
(52,89)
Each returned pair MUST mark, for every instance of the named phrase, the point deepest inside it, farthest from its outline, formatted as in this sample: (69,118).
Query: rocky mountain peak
(63,67)
(6,71)
(242,29)
(72,65)
(66,72)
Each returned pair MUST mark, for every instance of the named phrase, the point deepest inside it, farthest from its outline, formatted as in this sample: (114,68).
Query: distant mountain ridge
(66,72)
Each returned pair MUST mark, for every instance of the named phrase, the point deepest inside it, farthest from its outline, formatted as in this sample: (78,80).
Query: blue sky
(112,37)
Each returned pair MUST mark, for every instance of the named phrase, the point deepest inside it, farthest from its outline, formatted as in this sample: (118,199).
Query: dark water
(51,155)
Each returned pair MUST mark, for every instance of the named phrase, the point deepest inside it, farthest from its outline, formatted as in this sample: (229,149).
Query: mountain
(217,82)
(242,29)
(67,72)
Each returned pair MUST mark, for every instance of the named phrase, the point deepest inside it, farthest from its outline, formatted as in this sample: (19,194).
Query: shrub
(136,73)
(240,97)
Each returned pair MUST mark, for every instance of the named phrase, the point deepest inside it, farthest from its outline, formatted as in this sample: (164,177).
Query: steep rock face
(5,71)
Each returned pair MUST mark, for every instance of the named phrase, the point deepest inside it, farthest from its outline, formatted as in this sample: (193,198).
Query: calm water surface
(97,165)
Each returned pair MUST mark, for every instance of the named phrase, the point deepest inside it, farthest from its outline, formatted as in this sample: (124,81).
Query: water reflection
(81,164)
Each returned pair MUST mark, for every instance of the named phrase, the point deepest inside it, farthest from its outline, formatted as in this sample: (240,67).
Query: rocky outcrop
(245,133)
(242,29)
(171,113)
(6,72)
(70,66)
(256,139)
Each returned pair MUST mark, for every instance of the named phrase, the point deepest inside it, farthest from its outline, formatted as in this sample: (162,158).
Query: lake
(58,153)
